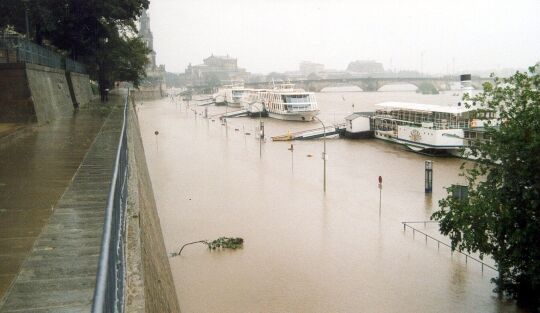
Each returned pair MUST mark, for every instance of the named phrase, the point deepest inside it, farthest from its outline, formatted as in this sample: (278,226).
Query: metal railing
(28,52)
(74,66)
(439,243)
(109,291)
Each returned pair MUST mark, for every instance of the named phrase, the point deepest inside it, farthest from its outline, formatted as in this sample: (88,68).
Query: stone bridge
(374,83)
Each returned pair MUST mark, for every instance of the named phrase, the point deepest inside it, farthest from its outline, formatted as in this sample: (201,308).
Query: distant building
(146,35)
(367,67)
(307,68)
(215,70)
(154,80)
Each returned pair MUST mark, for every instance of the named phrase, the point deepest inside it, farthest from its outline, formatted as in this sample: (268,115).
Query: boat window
(301,98)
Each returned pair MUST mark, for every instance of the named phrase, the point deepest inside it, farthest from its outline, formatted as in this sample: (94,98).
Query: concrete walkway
(59,268)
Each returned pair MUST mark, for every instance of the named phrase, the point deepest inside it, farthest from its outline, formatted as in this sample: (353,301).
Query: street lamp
(324,152)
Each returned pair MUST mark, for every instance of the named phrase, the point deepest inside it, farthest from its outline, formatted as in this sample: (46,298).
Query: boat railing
(441,243)
(450,125)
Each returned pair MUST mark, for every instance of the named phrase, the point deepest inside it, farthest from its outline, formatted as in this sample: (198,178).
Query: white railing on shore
(439,243)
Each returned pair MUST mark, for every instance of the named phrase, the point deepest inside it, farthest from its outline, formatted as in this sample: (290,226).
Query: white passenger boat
(286,103)
(233,94)
(426,127)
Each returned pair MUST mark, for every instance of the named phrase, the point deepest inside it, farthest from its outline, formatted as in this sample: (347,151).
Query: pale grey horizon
(441,37)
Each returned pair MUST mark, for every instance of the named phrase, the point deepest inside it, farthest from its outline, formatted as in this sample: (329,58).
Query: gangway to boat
(236,113)
(311,133)
(205,103)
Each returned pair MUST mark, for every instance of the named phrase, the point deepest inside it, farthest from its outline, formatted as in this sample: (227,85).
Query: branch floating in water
(220,243)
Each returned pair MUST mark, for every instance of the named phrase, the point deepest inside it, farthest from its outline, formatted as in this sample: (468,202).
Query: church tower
(146,35)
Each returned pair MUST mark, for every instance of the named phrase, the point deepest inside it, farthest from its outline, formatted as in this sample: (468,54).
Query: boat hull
(233,104)
(305,116)
(420,147)
(358,135)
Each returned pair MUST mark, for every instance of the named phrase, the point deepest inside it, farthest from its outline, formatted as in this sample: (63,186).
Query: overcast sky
(275,35)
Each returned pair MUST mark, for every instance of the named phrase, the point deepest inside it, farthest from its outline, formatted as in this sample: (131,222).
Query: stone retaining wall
(33,93)
(79,86)
(148,93)
(16,104)
(149,278)
(50,92)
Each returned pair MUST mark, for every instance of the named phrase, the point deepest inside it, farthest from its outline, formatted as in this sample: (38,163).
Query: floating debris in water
(220,243)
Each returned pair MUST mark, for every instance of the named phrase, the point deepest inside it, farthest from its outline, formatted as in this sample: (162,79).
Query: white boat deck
(425,107)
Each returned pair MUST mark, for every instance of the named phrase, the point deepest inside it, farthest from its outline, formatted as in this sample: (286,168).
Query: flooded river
(304,251)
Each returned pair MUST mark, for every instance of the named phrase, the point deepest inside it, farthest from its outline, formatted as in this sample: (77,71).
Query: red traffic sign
(380,179)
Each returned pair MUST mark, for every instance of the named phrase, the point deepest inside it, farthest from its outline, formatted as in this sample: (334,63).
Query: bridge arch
(397,86)
(349,87)
(375,83)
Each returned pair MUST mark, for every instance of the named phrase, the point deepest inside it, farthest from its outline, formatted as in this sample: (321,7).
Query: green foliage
(124,59)
(100,34)
(220,243)
(501,216)
(226,243)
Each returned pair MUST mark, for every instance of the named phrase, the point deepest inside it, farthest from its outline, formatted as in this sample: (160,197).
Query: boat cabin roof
(356,115)
(424,107)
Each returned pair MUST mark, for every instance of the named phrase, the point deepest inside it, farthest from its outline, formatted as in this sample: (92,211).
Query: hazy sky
(409,34)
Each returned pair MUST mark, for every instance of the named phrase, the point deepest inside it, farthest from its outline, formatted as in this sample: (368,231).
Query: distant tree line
(100,34)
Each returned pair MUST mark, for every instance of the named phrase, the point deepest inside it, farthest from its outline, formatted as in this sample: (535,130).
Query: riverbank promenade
(54,183)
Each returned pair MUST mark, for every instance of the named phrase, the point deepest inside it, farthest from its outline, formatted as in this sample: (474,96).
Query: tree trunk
(102,81)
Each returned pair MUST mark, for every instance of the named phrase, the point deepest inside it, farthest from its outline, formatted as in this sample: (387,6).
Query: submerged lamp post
(428,176)
(261,131)
(380,195)
(324,156)
(156,133)
(261,137)
(292,157)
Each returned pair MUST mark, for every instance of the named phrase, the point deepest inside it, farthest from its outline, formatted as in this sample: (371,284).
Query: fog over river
(304,251)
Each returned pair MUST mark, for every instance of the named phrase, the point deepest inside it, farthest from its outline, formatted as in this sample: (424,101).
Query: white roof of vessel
(454,109)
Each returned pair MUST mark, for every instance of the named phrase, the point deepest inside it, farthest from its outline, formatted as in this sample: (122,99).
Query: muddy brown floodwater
(304,251)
